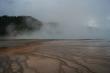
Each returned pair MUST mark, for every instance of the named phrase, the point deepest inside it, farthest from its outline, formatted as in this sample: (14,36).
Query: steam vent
(13,25)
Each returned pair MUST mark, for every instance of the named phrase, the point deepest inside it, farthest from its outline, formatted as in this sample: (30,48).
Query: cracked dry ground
(57,56)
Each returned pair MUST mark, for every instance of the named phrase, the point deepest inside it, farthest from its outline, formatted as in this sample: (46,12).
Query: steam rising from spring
(65,19)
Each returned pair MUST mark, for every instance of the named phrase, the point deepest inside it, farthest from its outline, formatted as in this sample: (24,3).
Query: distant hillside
(13,25)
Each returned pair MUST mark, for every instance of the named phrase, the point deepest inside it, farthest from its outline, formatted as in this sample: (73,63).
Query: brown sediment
(57,56)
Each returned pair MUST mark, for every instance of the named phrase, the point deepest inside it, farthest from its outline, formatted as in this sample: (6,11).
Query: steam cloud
(63,19)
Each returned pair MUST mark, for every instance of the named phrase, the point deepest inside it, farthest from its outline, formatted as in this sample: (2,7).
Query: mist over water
(64,19)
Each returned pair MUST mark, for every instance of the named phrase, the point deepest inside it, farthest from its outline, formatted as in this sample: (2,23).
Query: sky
(74,19)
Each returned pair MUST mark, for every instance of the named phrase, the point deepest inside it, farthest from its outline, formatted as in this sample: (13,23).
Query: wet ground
(54,56)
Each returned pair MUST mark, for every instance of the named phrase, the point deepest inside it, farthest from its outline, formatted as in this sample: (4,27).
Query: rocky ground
(54,56)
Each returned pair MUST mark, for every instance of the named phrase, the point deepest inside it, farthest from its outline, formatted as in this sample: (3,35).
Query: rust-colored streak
(57,56)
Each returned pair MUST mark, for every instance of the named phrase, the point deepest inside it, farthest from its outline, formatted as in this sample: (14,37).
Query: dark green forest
(20,23)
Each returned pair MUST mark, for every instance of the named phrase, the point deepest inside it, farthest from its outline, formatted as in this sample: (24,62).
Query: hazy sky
(78,18)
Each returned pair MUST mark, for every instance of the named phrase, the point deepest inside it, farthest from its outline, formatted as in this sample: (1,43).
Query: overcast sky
(75,17)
